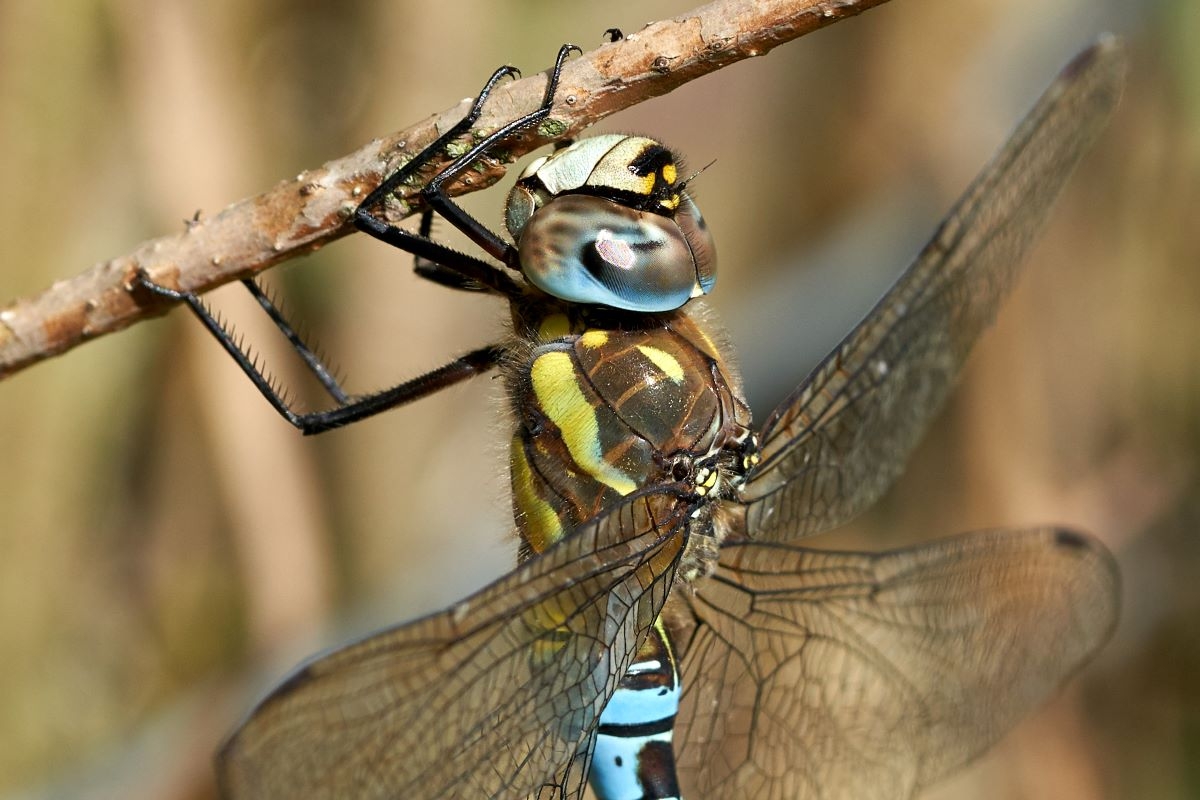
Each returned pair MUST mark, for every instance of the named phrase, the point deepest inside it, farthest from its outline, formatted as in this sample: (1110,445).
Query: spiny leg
(437,273)
(444,265)
(349,410)
(424,249)
(434,192)
(475,270)
(314,363)
(410,168)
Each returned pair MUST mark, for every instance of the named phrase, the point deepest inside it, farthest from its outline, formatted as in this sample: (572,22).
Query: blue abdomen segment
(634,758)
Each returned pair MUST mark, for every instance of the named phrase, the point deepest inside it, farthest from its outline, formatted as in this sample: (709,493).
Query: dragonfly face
(605,222)
(664,631)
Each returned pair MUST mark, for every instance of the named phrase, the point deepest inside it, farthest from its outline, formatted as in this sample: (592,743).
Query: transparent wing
(570,782)
(815,674)
(495,697)
(842,437)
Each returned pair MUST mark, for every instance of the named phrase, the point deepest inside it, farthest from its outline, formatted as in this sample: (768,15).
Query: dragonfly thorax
(608,402)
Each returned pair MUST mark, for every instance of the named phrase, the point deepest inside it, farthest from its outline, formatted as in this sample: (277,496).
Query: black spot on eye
(599,265)
(619,761)
(617,262)
(593,260)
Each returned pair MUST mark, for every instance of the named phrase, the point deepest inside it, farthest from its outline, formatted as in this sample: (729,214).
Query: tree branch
(300,215)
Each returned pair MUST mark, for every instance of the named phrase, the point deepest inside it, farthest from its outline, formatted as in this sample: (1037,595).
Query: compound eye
(699,238)
(587,249)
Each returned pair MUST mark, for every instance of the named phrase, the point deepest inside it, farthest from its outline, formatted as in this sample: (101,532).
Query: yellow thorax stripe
(594,338)
(668,363)
(538,520)
(558,393)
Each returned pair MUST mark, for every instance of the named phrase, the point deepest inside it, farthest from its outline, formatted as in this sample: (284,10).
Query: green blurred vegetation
(168,547)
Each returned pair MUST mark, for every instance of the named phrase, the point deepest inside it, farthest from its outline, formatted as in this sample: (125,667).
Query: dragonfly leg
(434,192)
(307,354)
(348,409)
(440,274)
(420,245)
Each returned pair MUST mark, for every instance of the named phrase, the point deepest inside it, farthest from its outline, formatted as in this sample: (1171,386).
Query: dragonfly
(663,635)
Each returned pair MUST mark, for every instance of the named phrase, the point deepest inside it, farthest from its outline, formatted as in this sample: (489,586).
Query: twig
(303,214)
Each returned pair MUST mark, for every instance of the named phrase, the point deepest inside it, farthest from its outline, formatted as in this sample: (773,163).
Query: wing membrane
(842,437)
(496,696)
(815,674)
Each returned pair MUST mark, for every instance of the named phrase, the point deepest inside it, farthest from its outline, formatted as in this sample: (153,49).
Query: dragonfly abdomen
(634,757)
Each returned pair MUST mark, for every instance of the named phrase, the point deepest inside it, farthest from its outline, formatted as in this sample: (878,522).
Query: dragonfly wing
(571,781)
(843,435)
(495,697)
(815,674)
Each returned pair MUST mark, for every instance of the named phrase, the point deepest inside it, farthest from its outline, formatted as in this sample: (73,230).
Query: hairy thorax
(608,403)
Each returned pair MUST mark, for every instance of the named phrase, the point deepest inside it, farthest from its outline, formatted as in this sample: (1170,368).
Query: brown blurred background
(169,547)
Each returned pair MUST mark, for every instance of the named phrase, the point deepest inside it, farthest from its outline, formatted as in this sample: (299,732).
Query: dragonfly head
(605,221)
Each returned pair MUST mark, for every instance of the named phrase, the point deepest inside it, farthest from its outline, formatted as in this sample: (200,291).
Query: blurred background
(169,547)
